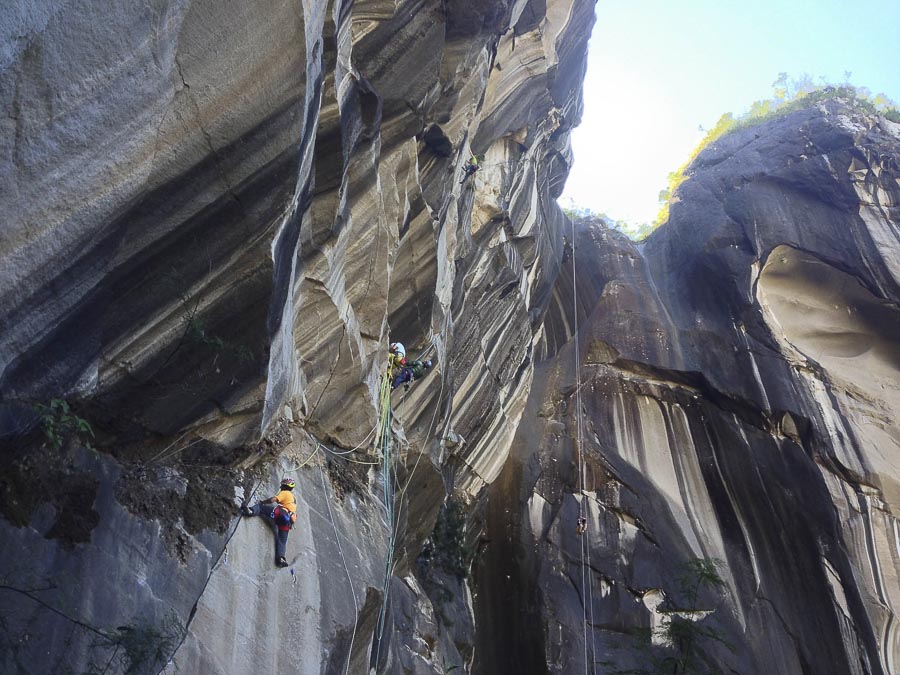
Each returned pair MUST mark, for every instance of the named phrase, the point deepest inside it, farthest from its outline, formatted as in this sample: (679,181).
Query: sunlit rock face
(217,215)
(740,389)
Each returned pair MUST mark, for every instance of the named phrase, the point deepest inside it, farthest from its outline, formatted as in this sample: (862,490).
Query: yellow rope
(305,461)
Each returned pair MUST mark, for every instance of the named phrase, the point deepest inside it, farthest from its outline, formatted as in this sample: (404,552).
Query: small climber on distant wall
(470,168)
(281,513)
(581,527)
(413,371)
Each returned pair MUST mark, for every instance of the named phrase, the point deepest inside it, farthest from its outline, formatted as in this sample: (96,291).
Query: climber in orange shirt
(282,512)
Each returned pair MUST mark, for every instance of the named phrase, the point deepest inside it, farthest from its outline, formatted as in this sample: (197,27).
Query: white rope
(416,465)
(397,496)
(356,447)
(430,428)
(337,538)
(579,450)
(385,441)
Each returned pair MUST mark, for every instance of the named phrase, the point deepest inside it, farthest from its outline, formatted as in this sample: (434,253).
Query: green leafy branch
(676,647)
(59,423)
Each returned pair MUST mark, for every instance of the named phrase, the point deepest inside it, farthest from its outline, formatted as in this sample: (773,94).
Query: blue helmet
(427,363)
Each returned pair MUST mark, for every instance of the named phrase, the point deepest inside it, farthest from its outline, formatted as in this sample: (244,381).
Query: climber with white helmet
(396,359)
(281,513)
(398,353)
(581,525)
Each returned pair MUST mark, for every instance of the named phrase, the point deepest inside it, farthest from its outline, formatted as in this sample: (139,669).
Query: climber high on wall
(413,371)
(470,168)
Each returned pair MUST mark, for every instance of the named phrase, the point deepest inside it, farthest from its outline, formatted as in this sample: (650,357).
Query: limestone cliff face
(217,215)
(740,390)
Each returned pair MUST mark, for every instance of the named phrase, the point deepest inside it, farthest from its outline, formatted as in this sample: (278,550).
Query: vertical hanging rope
(337,539)
(391,489)
(384,442)
(587,599)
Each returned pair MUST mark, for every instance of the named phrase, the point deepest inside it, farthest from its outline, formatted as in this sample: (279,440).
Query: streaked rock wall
(739,390)
(217,216)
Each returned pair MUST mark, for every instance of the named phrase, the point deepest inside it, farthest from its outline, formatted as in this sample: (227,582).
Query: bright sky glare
(659,69)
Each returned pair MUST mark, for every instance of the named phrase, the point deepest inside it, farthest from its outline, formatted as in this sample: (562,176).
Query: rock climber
(398,354)
(281,510)
(413,371)
(396,358)
(581,527)
(470,168)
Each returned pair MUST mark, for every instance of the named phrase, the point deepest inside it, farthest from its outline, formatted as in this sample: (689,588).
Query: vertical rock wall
(218,214)
(739,389)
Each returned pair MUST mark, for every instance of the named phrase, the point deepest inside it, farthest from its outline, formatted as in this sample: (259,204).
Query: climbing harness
(282,517)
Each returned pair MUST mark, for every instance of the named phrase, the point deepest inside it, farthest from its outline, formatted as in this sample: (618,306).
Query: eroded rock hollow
(217,216)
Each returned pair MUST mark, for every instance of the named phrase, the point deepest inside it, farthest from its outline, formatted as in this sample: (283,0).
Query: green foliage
(59,423)
(633,230)
(197,333)
(143,647)
(446,548)
(788,95)
(676,647)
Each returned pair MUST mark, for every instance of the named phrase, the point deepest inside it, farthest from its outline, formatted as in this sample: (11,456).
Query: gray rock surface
(217,216)
(739,395)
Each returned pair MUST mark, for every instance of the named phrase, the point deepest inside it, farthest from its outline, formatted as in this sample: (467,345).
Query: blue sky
(659,69)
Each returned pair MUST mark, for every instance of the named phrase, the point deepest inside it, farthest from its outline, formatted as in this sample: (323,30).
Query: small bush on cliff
(59,424)
(676,647)
(196,332)
(446,548)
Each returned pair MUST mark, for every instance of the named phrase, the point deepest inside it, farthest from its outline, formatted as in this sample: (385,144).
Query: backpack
(284,519)
(417,368)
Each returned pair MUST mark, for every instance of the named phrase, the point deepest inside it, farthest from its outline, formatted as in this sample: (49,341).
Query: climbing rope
(579,453)
(305,461)
(212,569)
(359,445)
(343,456)
(437,408)
(384,442)
(337,539)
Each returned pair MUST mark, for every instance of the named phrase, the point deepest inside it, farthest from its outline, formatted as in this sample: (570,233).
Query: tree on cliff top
(788,95)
